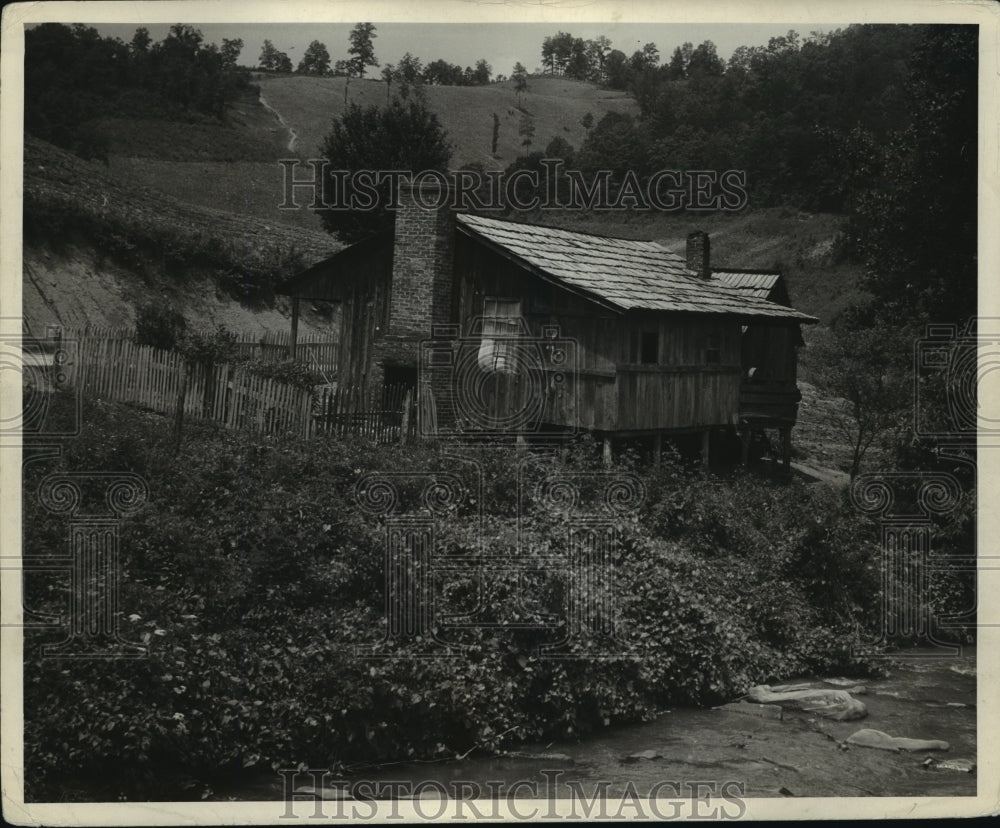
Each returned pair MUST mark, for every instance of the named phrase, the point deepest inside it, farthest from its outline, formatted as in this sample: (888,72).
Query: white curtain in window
(501,326)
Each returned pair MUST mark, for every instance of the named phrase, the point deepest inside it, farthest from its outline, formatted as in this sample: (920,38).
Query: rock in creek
(883,741)
(543,757)
(761,711)
(830,704)
(646,754)
(324,793)
(961,765)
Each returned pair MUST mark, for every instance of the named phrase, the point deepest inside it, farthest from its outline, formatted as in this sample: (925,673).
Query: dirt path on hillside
(293,136)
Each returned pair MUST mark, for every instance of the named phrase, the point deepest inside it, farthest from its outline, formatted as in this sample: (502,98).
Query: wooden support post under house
(657,449)
(293,343)
(607,451)
(521,443)
(705,443)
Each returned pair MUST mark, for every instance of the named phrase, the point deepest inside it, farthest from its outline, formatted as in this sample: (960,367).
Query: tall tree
(283,63)
(140,41)
(520,78)
(481,74)
(404,135)
(315,60)
(915,220)
(388,75)
(597,53)
(867,367)
(230,51)
(268,59)
(705,61)
(362,48)
(442,73)
(616,69)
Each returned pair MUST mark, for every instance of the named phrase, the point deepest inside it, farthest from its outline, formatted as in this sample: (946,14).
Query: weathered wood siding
(582,395)
(684,389)
(365,297)
(601,388)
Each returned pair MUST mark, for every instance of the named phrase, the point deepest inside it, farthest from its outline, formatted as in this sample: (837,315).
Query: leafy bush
(159,326)
(292,372)
(256,580)
(219,345)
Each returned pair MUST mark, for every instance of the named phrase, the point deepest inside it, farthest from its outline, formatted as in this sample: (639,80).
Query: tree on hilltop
(274,60)
(520,78)
(362,48)
(230,51)
(315,60)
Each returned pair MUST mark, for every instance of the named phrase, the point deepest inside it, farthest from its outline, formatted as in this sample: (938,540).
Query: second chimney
(698,258)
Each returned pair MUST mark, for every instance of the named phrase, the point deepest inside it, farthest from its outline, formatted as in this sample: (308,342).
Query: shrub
(292,372)
(255,579)
(159,326)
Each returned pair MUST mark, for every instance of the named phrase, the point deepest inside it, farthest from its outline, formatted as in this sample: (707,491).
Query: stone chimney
(423,246)
(698,256)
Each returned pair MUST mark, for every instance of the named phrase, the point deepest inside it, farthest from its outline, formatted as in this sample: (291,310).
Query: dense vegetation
(813,122)
(878,123)
(252,574)
(252,623)
(73,75)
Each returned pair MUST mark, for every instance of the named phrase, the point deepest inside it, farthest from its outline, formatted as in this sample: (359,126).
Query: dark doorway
(398,379)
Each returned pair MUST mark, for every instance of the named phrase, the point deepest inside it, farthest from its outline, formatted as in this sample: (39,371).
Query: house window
(644,347)
(501,327)
(713,352)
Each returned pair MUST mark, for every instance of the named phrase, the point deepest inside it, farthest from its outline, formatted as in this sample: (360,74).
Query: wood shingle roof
(759,283)
(622,273)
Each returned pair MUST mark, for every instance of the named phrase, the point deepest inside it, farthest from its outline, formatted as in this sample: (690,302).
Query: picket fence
(318,351)
(315,350)
(341,411)
(114,367)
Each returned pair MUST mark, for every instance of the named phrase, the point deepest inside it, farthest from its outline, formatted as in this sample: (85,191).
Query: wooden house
(512,327)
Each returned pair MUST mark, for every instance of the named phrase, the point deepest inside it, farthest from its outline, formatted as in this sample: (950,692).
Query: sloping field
(557,105)
(233,168)
(241,188)
(96,248)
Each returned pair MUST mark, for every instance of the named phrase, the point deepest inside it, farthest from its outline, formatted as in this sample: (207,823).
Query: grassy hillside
(557,105)
(231,167)
(97,246)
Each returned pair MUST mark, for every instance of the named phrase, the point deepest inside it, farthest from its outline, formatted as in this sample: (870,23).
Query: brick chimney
(698,256)
(421,292)
(422,259)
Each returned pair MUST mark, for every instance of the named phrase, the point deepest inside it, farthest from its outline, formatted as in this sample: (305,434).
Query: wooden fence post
(179,414)
(404,428)
(293,344)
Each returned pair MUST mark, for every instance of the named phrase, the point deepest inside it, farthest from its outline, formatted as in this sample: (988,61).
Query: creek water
(924,697)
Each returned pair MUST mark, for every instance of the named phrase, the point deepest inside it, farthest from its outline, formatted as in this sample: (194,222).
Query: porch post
(786,448)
